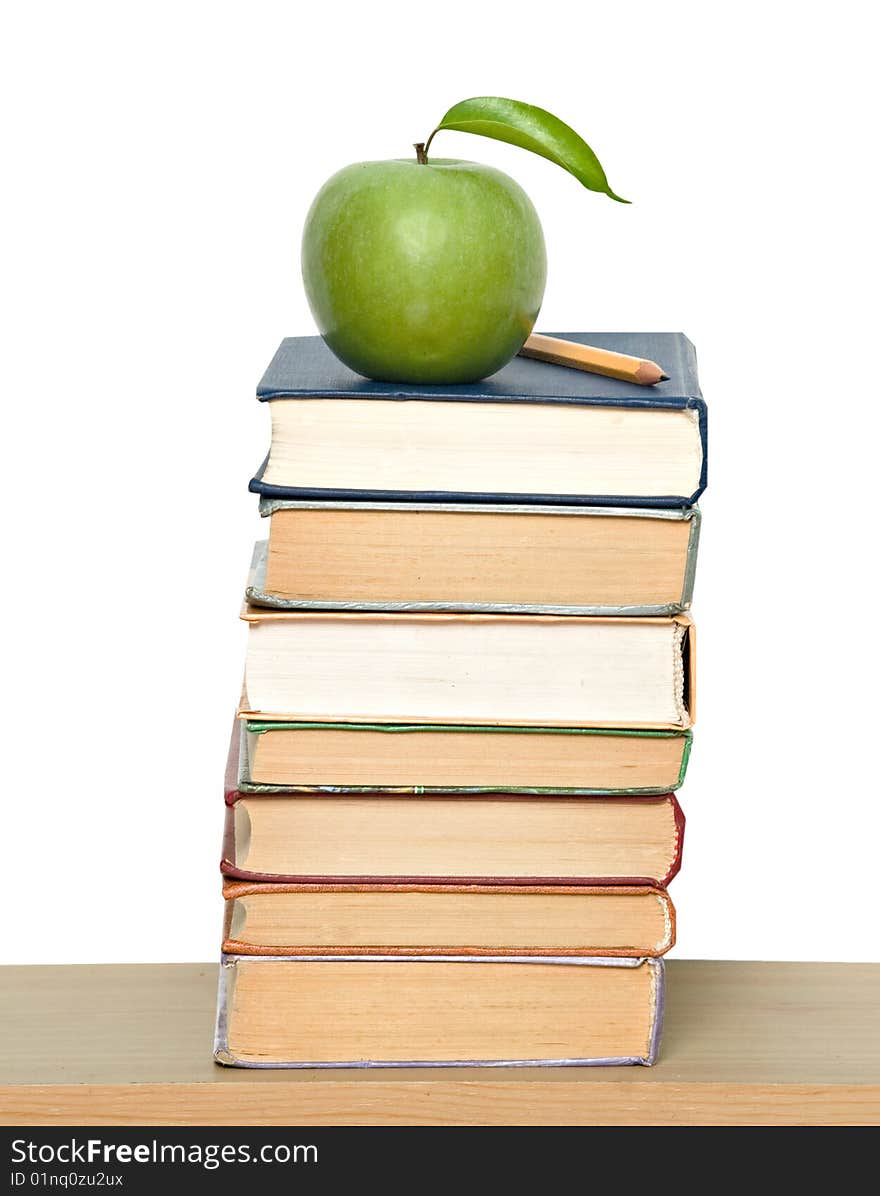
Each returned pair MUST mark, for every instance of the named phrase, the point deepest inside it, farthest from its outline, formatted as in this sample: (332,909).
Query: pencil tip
(664,377)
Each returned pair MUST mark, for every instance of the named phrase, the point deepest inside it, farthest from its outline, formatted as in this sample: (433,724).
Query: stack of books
(469,691)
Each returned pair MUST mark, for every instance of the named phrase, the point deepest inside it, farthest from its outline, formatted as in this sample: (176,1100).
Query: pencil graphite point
(664,377)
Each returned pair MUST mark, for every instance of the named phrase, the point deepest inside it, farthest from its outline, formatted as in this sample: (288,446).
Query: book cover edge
(238,890)
(229,868)
(238,780)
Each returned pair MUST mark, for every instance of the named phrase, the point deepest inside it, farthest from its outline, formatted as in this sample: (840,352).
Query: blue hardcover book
(532,433)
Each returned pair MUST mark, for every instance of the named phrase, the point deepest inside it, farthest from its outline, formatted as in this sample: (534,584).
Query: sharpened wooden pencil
(595,361)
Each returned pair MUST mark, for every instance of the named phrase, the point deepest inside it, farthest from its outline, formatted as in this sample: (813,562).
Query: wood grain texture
(745,1044)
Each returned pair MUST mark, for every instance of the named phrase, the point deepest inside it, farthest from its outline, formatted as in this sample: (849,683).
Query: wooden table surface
(745,1044)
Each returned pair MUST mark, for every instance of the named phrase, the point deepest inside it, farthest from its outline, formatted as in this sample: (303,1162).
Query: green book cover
(253,727)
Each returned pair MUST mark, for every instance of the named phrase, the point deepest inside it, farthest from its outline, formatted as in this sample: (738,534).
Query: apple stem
(421,154)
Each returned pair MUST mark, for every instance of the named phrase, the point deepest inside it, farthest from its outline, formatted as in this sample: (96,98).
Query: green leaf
(533,129)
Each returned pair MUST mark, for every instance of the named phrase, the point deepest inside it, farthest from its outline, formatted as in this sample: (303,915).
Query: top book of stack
(532,433)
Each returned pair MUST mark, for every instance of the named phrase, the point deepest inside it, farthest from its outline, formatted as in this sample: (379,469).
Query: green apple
(432,270)
(423,272)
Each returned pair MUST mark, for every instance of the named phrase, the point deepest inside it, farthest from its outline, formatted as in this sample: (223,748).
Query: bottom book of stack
(437,1011)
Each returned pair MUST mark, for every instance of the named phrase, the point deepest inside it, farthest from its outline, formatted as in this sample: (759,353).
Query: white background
(159,160)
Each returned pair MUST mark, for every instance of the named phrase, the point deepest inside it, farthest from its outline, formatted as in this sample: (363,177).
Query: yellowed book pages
(436,919)
(316,754)
(589,839)
(467,556)
(397,1011)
